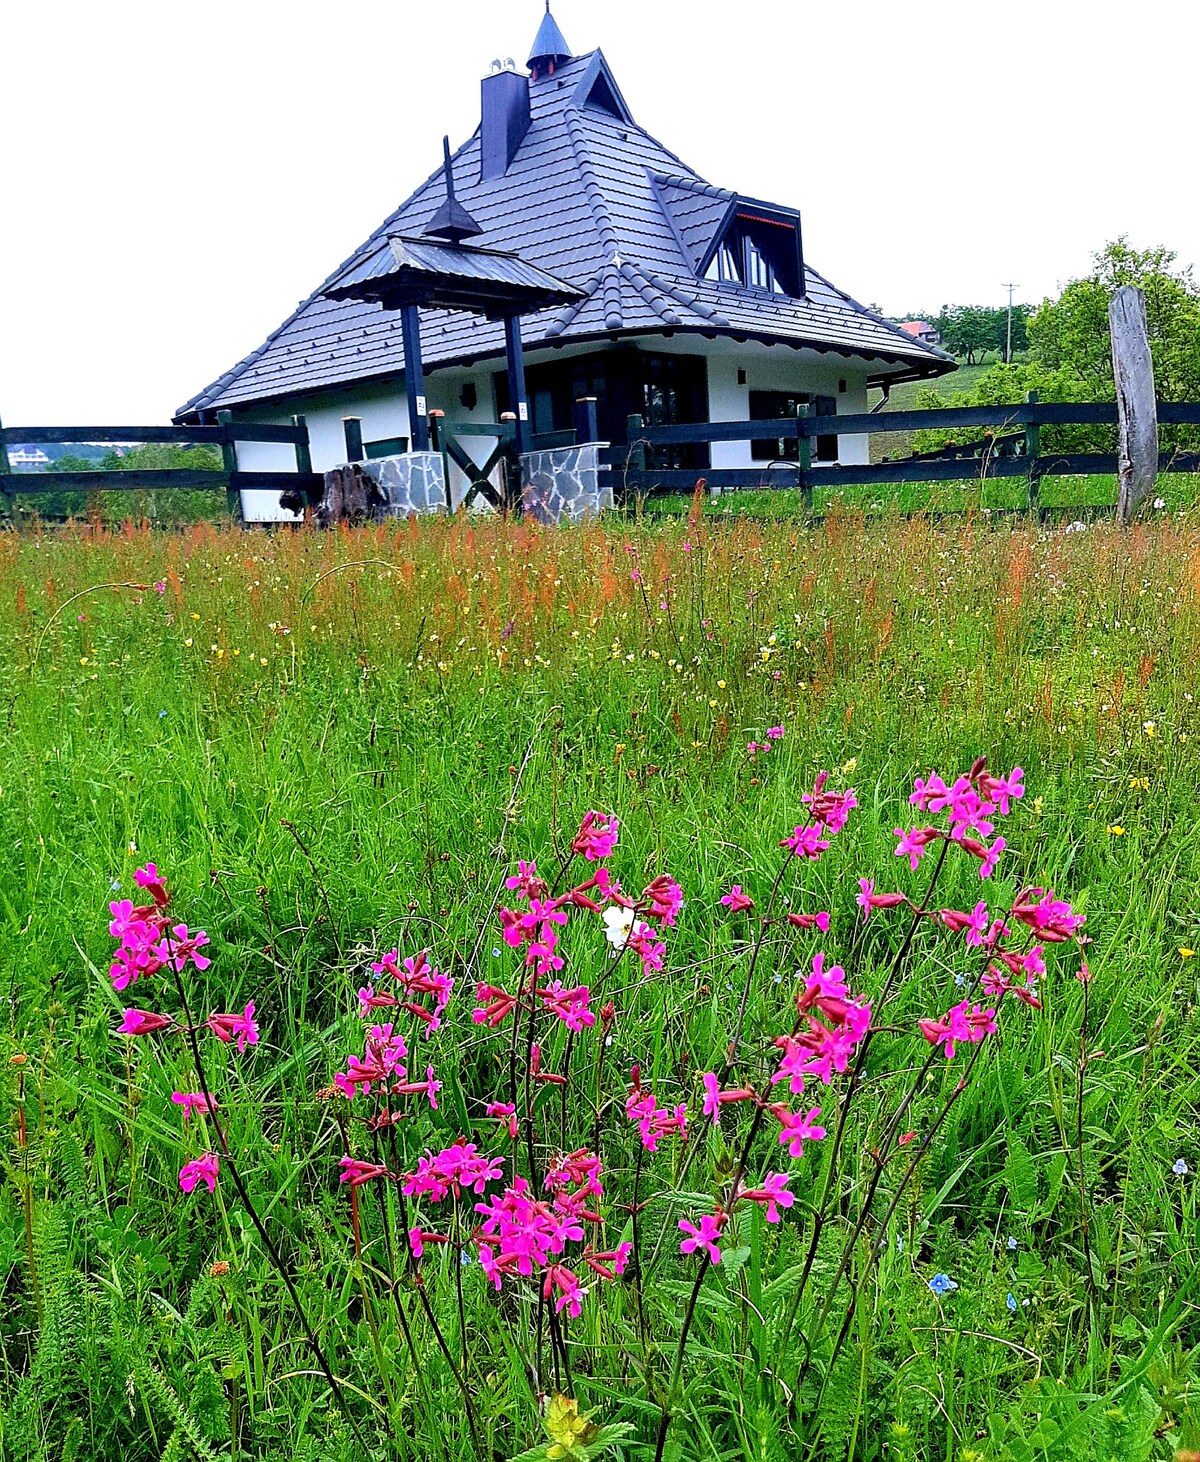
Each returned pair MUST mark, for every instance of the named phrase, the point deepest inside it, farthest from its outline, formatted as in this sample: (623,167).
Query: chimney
(505,98)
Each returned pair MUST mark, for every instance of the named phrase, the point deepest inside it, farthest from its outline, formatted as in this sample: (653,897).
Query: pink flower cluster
(597,837)
(381,1064)
(819,1049)
(146,939)
(829,811)
(964,1024)
(416,977)
(520,1234)
(969,803)
(454,1170)
(773,734)
(652,1120)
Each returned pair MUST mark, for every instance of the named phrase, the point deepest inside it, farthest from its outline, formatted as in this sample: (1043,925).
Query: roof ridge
(692,302)
(695,184)
(570,312)
(587,171)
(649,291)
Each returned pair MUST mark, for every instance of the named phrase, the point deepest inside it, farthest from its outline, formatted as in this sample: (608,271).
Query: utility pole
(1008,348)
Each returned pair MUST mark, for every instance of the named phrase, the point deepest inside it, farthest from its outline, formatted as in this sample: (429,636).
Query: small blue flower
(466,1259)
(115,885)
(495,954)
(1012,1243)
(960,980)
(1011,1302)
(942,1284)
(1180,1168)
(162,715)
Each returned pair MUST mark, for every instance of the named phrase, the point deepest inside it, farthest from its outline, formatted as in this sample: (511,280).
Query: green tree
(1071,333)
(163,505)
(1070,351)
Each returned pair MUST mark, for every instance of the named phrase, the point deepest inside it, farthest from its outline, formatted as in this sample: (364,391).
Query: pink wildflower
(193,1101)
(797,1129)
(735,900)
(772,1195)
(665,899)
(806,841)
(229,1027)
(705,1237)
(597,836)
(200,1170)
(143,1023)
(506,1113)
(356,1173)
(867,899)
(810,921)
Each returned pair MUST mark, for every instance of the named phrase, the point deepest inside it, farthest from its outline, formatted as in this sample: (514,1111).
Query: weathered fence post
(1137,412)
(804,457)
(635,459)
(1033,448)
(233,498)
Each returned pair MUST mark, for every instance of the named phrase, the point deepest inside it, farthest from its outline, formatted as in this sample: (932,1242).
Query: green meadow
(333,745)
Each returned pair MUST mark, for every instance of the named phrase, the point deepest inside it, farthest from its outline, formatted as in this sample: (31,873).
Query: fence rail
(225,434)
(1015,454)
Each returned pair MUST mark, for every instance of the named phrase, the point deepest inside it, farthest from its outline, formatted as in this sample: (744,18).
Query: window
(726,266)
(759,252)
(781,406)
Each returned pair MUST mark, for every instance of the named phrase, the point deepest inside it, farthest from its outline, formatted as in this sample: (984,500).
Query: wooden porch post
(414,379)
(517,396)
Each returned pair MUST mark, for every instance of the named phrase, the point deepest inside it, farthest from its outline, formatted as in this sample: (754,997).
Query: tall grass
(337,742)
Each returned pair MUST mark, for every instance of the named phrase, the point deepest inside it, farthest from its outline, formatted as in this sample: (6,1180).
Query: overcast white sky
(175,177)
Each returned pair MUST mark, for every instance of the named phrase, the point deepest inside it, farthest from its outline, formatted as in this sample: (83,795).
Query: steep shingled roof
(594,200)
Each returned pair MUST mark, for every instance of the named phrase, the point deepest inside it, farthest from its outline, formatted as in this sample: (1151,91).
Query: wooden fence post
(804,457)
(1033,448)
(352,432)
(233,498)
(635,459)
(1137,411)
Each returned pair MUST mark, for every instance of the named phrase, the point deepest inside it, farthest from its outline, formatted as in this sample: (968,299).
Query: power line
(1008,348)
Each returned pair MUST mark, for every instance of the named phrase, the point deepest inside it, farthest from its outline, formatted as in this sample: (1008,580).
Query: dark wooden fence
(1012,450)
(225,435)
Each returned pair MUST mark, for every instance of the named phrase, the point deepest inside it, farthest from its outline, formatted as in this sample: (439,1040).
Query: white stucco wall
(779,368)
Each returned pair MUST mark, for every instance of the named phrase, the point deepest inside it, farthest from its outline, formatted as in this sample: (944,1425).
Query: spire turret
(549,48)
(451,221)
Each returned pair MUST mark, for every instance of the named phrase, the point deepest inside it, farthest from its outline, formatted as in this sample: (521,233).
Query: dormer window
(727,266)
(761,252)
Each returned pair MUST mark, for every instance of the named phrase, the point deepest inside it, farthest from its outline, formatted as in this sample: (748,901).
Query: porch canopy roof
(495,283)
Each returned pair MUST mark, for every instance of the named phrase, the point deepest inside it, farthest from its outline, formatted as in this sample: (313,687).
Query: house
(921,330)
(692,303)
(27,459)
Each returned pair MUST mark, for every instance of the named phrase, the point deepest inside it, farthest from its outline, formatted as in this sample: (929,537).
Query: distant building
(921,330)
(697,302)
(27,459)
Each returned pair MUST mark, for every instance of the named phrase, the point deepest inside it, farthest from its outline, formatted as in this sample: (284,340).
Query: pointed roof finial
(549,47)
(451,221)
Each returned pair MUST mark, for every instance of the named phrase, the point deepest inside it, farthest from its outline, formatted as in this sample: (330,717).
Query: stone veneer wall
(563,482)
(414,482)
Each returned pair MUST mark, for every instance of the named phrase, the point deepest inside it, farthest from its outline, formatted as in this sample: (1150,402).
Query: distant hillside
(904,398)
